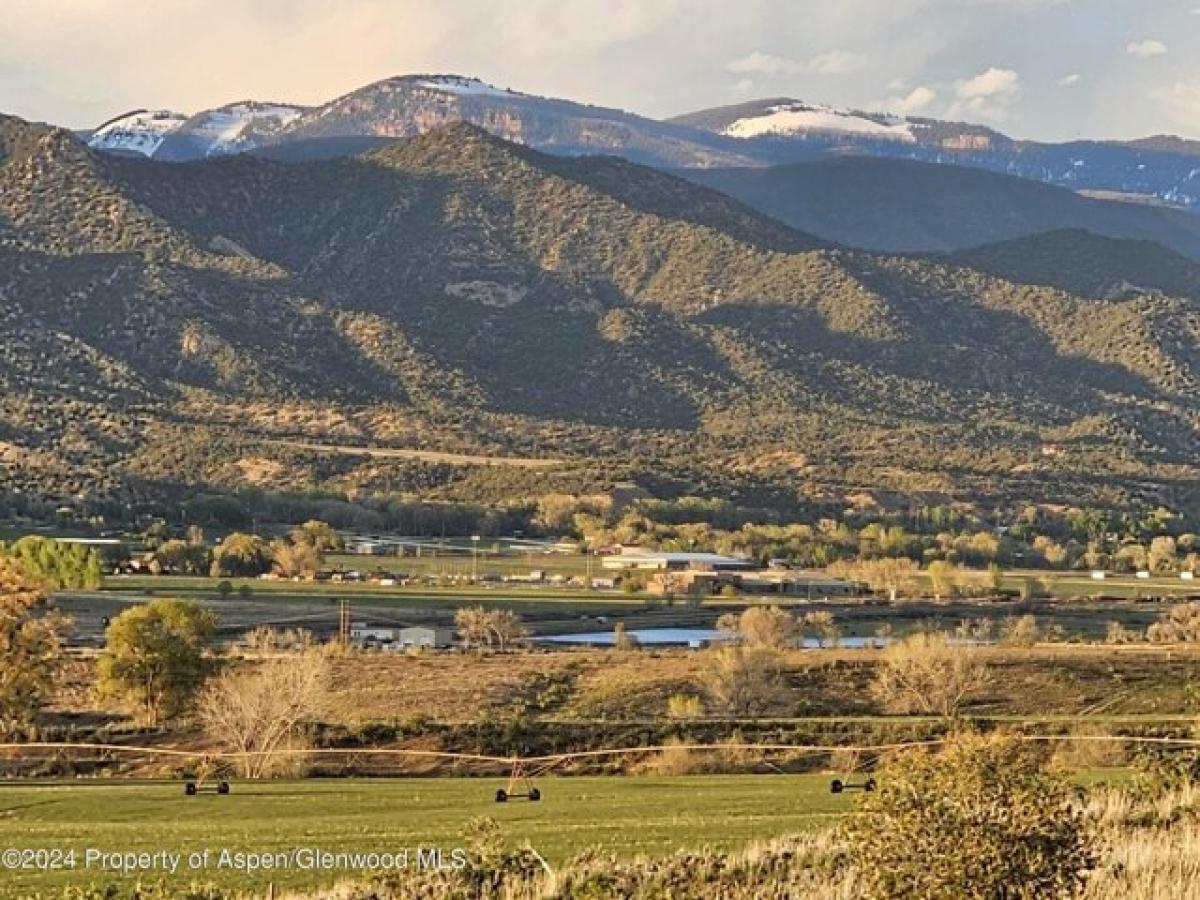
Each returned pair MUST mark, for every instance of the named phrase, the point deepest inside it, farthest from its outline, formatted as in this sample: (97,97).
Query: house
(431,636)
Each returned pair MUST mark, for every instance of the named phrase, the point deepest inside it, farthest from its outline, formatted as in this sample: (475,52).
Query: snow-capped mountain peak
(796,117)
(140,131)
(240,126)
(458,84)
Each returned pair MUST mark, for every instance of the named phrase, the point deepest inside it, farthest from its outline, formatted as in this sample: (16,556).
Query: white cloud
(995,82)
(759,63)
(834,62)
(1146,49)
(1069,80)
(743,86)
(989,95)
(837,62)
(916,100)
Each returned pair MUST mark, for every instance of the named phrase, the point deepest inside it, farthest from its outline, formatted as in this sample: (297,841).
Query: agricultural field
(627,815)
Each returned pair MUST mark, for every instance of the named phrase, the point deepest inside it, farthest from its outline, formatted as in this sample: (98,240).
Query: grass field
(627,816)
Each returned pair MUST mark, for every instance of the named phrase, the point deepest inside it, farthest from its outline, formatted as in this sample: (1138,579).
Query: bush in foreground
(981,819)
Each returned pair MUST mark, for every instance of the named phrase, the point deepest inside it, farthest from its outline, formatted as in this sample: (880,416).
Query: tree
(980,820)
(1020,631)
(1162,557)
(943,578)
(56,564)
(182,558)
(295,560)
(891,575)
(623,639)
(264,711)
(766,626)
(240,556)
(30,645)
(823,626)
(995,576)
(926,673)
(318,535)
(155,656)
(1178,624)
(482,627)
(744,680)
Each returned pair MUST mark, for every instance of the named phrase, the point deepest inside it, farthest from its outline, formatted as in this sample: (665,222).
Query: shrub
(926,673)
(684,706)
(744,681)
(981,819)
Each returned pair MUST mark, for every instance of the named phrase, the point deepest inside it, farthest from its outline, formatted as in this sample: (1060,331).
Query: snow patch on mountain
(792,119)
(236,127)
(455,84)
(141,131)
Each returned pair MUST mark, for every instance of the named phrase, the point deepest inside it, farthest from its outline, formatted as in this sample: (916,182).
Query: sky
(1041,69)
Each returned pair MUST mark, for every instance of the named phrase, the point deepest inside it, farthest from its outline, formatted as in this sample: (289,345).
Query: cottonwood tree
(481,627)
(156,656)
(318,535)
(926,673)
(264,712)
(891,575)
(295,560)
(767,626)
(943,578)
(31,639)
(182,558)
(823,626)
(760,626)
(240,556)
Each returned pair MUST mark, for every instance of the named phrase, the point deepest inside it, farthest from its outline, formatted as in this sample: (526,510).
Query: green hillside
(167,327)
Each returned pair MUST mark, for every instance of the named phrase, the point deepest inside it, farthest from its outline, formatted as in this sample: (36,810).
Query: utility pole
(474,559)
(344,622)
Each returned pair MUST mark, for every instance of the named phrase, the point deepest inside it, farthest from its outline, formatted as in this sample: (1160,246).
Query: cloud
(834,62)
(1069,80)
(759,63)
(995,82)
(988,95)
(916,100)
(1146,49)
(837,62)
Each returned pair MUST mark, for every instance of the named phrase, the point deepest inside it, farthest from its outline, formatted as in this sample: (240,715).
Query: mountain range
(352,323)
(857,178)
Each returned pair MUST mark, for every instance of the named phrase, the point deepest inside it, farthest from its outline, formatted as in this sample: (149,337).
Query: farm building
(637,559)
(363,634)
(813,585)
(426,636)
(401,638)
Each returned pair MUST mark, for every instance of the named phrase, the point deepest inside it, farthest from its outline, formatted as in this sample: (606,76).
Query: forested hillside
(173,327)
